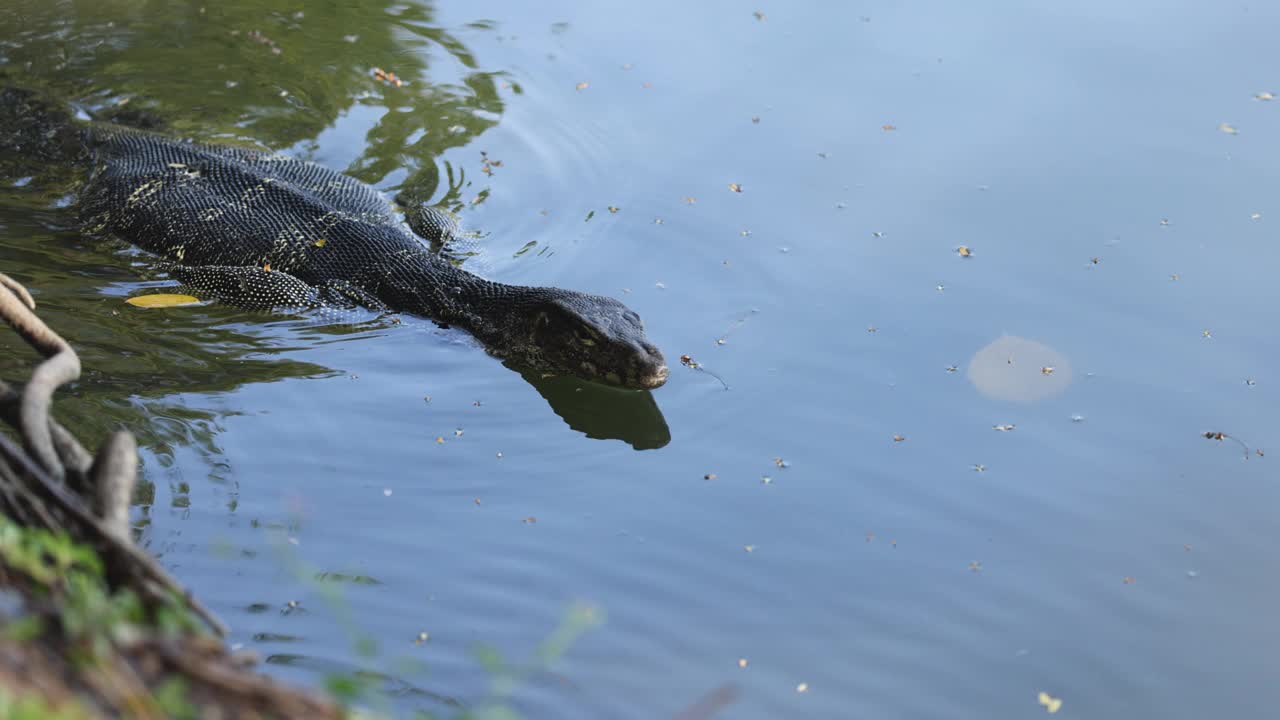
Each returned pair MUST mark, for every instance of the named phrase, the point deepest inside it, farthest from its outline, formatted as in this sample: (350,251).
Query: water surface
(880,518)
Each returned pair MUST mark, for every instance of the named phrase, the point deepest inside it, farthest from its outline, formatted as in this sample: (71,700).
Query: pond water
(979,278)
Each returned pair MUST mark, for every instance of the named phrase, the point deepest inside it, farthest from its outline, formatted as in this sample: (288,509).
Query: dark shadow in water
(602,412)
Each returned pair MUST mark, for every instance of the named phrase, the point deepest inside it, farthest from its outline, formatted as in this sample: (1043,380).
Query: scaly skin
(263,230)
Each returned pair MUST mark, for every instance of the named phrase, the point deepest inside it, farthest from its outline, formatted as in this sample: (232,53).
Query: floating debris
(758,15)
(163,300)
(692,364)
(888,128)
(1264,96)
(582,86)
(1220,436)
(710,476)
(1051,704)
(964,251)
(1228,129)
(613,209)
(975,566)
(802,688)
(899,438)
(735,187)
(742,662)
(261,39)
(1004,428)
(387,76)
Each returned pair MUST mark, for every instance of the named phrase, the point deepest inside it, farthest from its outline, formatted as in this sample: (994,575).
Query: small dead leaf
(898,438)
(440,440)
(888,127)
(1228,129)
(582,86)
(1047,370)
(162,300)
(613,209)
(964,251)
(1051,704)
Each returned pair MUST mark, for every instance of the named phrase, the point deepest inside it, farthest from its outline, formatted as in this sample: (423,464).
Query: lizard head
(595,338)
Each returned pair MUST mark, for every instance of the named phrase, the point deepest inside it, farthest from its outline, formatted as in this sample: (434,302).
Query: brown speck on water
(888,128)
(690,200)
(440,440)
(531,520)
(964,251)
(582,86)
(1047,370)
(613,209)
(899,438)
(781,463)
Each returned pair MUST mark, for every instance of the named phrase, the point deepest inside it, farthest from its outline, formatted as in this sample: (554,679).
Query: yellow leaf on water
(321,242)
(162,300)
(1051,704)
